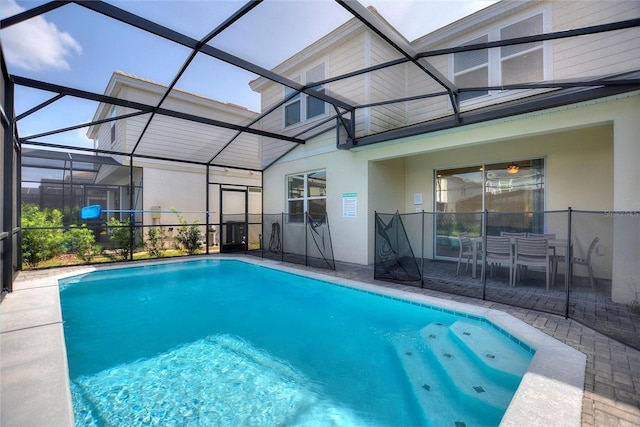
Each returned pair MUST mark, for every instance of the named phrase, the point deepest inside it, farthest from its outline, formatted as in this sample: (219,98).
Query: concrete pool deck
(558,389)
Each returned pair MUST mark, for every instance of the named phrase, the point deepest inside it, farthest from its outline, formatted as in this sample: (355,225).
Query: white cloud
(81,138)
(36,44)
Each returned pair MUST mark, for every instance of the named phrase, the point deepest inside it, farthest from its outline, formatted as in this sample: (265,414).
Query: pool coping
(34,371)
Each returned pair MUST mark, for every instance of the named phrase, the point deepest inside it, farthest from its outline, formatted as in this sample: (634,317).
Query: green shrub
(119,234)
(189,237)
(98,250)
(79,241)
(45,239)
(155,236)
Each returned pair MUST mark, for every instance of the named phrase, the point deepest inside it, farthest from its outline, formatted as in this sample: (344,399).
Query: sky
(75,47)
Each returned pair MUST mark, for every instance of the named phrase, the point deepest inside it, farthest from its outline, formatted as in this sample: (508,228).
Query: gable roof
(121,79)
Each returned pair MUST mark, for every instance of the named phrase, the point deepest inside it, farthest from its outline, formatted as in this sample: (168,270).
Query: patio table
(477,244)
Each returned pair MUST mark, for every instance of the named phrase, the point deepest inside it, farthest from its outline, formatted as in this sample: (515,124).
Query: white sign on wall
(349,205)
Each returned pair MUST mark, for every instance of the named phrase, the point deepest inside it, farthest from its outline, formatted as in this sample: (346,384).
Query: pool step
(506,363)
(435,392)
(470,378)
(450,379)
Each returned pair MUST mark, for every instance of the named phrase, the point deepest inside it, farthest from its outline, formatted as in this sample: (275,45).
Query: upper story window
(472,69)
(522,63)
(113,125)
(306,192)
(303,107)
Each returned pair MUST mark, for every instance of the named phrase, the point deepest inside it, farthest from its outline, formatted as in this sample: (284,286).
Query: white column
(626,200)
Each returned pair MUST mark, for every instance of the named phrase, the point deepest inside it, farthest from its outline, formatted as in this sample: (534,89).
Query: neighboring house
(570,148)
(165,185)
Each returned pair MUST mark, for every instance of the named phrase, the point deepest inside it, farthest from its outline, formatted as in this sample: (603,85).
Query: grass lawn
(71,259)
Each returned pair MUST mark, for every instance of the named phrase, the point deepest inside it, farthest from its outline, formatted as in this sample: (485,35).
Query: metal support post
(567,265)
(422,250)
(485,219)
(131,208)
(8,188)
(207,224)
(306,238)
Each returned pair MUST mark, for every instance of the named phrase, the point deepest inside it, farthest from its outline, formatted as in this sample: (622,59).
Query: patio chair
(499,250)
(542,235)
(466,251)
(531,252)
(552,250)
(576,261)
(512,234)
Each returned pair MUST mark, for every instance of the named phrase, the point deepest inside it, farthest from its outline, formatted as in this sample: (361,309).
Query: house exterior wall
(171,185)
(384,84)
(353,47)
(169,137)
(179,188)
(626,199)
(571,58)
(339,54)
(345,175)
(163,187)
(601,54)
(342,51)
(578,165)
(574,158)
(587,148)
(583,147)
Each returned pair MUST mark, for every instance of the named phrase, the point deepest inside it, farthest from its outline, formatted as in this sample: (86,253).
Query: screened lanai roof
(224,50)
(58,165)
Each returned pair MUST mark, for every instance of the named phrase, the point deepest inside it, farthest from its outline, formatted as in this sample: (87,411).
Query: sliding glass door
(514,189)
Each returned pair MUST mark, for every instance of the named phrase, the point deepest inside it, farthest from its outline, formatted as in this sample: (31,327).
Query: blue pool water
(223,342)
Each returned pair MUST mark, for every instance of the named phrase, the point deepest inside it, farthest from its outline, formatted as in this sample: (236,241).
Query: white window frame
(486,65)
(305,197)
(303,99)
(292,101)
(495,59)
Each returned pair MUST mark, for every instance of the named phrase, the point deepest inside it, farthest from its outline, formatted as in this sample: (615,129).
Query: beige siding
(353,47)
(387,84)
(346,55)
(134,128)
(420,84)
(601,54)
(349,54)
(573,58)
(104,138)
(104,133)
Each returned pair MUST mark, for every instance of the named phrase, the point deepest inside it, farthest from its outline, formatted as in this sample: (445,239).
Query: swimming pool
(221,342)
